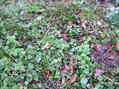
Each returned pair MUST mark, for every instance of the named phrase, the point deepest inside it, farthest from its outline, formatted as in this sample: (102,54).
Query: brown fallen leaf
(85,24)
(104,54)
(73,78)
(82,38)
(71,68)
(67,68)
(47,73)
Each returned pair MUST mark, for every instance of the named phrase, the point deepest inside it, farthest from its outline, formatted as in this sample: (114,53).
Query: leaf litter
(106,55)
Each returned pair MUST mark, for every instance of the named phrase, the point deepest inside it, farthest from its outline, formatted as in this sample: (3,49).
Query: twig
(117,83)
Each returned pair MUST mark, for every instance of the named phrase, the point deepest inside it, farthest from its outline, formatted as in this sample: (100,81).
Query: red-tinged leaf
(73,78)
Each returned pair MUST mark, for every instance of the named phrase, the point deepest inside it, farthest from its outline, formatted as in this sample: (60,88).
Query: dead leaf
(85,24)
(73,78)
(104,54)
(47,73)
(81,39)
(67,68)
(71,68)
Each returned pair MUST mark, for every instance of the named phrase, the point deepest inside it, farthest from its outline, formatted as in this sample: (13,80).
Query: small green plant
(113,20)
(47,48)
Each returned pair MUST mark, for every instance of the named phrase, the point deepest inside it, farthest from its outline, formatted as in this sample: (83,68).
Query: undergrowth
(45,47)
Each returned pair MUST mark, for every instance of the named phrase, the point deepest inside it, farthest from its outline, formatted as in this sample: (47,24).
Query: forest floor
(62,47)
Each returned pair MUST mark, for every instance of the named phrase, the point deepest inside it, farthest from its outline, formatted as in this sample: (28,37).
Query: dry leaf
(47,73)
(73,78)
(67,69)
(71,68)
(104,54)
(85,24)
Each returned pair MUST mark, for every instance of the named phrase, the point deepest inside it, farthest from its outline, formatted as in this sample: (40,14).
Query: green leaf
(84,82)
(69,17)
(4,54)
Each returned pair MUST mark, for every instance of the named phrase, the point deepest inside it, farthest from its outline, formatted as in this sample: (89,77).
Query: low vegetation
(58,47)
